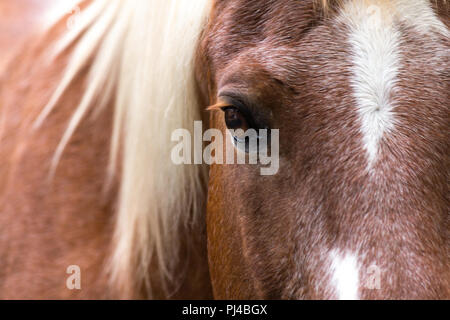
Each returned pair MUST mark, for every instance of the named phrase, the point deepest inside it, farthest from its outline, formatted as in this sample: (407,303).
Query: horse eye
(234,119)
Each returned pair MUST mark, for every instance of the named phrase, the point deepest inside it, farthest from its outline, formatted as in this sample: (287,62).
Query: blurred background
(20,18)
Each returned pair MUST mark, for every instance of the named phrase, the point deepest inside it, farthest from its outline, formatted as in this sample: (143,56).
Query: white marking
(375,45)
(420,15)
(375,41)
(345,275)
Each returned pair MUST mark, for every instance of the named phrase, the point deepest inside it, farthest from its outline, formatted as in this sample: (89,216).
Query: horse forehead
(290,39)
(286,23)
(239,24)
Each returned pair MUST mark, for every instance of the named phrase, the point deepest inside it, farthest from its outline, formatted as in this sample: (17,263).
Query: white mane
(142,56)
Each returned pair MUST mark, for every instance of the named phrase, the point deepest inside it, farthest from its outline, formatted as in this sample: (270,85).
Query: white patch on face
(375,41)
(345,275)
(375,57)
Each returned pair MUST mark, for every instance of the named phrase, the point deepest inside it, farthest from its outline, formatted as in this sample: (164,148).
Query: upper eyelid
(237,101)
(226,96)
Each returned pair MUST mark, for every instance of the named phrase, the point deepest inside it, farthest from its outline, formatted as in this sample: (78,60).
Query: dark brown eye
(234,119)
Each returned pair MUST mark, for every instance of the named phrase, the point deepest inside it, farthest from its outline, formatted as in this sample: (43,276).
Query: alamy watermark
(254,147)
(73,282)
(373,281)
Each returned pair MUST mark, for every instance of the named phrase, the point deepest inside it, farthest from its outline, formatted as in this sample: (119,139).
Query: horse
(92,207)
